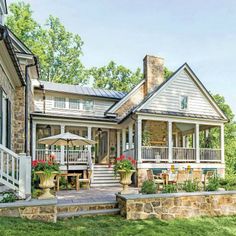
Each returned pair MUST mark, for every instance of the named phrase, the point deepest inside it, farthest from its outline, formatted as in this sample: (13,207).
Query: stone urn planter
(125,180)
(46,183)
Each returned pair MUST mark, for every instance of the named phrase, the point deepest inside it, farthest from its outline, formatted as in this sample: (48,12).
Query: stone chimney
(153,69)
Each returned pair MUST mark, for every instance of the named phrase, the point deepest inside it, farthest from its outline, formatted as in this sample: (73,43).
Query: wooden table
(77,175)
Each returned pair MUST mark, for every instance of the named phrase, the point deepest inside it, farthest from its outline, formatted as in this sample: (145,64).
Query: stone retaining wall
(43,210)
(178,205)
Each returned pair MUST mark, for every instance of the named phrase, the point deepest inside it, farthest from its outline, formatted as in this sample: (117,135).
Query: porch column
(123,140)
(34,144)
(222,143)
(118,142)
(138,139)
(89,137)
(62,147)
(130,136)
(170,145)
(197,143)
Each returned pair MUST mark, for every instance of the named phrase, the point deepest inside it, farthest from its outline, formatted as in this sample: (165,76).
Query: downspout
(27,103)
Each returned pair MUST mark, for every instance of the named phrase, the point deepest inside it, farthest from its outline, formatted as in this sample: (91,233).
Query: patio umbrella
(68,140)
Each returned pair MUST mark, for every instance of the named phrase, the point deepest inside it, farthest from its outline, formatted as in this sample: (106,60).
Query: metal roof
(82,90)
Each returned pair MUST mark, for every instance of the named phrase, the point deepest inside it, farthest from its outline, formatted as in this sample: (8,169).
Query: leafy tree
(118,77)
(59,51)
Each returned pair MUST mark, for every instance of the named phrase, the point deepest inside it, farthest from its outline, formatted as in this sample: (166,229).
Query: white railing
(74,156)
(154,154)
(15,171)
(77,156)
(181,154)
(129,153)
(210,155)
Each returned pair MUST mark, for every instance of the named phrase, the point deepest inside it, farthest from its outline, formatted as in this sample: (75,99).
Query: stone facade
(33,210)
(178,205)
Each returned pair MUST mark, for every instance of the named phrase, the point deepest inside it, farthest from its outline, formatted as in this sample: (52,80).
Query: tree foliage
(59,51)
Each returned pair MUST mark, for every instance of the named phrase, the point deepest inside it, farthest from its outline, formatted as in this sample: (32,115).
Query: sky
(201,33)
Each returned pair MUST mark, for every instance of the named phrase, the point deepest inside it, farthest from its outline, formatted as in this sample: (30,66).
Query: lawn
(115,225)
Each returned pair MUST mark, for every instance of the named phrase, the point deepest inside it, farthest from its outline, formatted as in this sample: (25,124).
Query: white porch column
(62,147)
(130,136)
(222,143)
(123,139)
(197,143)
(170,144)
(34,144)
(118,142)
(89,137)
(138,137)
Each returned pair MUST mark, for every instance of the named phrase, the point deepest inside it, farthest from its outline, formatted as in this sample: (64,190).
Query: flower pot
(125,179)
(46,182)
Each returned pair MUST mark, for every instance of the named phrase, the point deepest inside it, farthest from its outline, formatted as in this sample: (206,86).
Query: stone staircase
(69,210)
(104,176)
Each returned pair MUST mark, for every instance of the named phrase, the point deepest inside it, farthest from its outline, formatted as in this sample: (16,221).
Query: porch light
(99,130)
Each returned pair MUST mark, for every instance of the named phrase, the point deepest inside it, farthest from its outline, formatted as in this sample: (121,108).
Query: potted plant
(125,168)
(46,170)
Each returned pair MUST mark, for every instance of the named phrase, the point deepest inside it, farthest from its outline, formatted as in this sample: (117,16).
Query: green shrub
(229,183)
(8,197)
(169,188)
(213,183)
(149,187)
(191,186)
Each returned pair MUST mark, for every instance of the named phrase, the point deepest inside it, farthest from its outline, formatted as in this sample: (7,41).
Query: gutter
(27,103)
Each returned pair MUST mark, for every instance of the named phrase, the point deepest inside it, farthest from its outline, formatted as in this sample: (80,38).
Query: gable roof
(117,105)
(82,90)
(185,66)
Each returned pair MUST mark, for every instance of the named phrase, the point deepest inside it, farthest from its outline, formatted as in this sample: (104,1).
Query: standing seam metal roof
(82,90)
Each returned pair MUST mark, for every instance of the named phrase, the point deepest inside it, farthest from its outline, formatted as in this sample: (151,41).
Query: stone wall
(43,210)
(178,205)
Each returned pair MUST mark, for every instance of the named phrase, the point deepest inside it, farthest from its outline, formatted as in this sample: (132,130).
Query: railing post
(222,143)
(24,176)
(123,139)
(138,133)
(170,146)
(118,142)
(130,135)
(62,147)
(197,143)
(89,137)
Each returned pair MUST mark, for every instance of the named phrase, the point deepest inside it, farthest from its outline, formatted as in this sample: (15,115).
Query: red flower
(122,157)
(34,163)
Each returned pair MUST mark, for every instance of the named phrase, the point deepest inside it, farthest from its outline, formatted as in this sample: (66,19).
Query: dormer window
(184,102)
(59,102)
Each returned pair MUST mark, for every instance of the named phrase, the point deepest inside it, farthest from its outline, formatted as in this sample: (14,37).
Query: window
(59,102)
(74,104)
(184,102)
(88,105)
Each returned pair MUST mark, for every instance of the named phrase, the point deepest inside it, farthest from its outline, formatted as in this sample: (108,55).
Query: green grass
(115,225)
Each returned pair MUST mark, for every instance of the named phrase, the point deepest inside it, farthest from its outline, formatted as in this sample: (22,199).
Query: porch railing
(129,153)
(184,154)
(74,156)
(210,155)
(154,154)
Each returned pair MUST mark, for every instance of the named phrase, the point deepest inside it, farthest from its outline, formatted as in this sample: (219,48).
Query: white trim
(123,139)
(118,142)
(197,143)
(195,79)
(125,98)
(222,143)
(130,135)
(170,144)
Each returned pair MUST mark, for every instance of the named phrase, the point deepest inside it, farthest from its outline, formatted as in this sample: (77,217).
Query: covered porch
(152,139)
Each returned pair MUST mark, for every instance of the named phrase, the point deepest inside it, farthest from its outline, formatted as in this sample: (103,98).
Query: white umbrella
(68,140)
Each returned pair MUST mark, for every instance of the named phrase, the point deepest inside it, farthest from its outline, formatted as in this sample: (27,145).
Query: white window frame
(180,102)
(55,101)
(91,107)
(78,103)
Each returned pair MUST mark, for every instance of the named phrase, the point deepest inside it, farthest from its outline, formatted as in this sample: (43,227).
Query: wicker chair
(156,179)
(182,176)
(207,176)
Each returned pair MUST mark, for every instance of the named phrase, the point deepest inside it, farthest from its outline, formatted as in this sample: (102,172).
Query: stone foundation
(177,205)
(43,210)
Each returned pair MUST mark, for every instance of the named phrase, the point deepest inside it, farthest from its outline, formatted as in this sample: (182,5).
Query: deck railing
(129,153)
(181,154)
(210,155)
(154,154)
(74,156)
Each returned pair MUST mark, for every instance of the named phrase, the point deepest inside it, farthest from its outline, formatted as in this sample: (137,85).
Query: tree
(59,51)
(117,77)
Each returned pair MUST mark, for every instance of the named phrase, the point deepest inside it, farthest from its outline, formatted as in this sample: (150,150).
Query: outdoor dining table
(66,175)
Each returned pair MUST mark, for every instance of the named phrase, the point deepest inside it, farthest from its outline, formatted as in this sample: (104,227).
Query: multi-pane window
(59,102)
(88,105)
(184,102)
(74,103)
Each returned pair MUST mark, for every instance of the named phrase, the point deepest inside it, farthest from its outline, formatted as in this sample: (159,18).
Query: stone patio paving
(101,194)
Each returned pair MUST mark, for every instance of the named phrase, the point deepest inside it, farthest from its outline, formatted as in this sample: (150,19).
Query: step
(105,185)
(106,181)
(97,165)
(104,169)
(62,215)
(103,172)
(106,177)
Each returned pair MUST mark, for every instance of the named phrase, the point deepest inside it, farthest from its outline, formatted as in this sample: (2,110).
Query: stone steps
(68,210)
